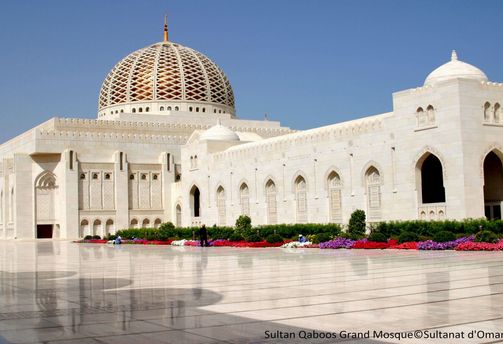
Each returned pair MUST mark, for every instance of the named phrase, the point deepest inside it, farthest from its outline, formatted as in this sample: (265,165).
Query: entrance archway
(493,186)
(195,201)
(431,181)
(46,194)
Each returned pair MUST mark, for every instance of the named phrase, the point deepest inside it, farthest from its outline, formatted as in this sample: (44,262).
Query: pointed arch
(221,205)
(46,179)
(195,201)
(493,184)
(270,193)
(300,189)
(244,198)
(178,215)
(334,186)
(497,113)
(430,179)
(296,176)
(373,182)
(487,112)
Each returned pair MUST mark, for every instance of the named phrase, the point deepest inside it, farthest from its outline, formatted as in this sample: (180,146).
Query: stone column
(23,202)
(167,178)
(68,186)
(121,186)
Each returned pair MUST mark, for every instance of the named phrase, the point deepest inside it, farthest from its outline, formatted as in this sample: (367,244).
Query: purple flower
(449,245)
(337,243)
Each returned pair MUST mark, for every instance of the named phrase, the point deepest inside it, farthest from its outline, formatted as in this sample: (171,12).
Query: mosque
(167,146)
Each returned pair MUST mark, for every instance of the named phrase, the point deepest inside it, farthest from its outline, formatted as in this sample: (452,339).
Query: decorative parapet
(319,135)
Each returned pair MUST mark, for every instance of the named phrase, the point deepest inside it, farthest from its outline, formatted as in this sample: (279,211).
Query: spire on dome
(165,28)
(454,56)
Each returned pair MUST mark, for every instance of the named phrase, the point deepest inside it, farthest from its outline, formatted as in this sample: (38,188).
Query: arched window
(334,197)
(244,199)
(84,229)
(221,206)
(487,112)
(497,113)
(161,108)
(109,227)
(431,179)
(147,109)
(421,116)
(134,223)
(97,230)
(157,223)
(140,109)
(177,108)
(145,223)
(204,109)
(195,161)
(197,109)
(190,108)
(373,186)
(134,110)
(191,162)
(169,108)
(178,215)
(301,199)
(430,113)
(195,201)
(270,192)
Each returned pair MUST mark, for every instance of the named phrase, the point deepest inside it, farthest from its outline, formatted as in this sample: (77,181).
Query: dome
(166,76)
(219,133)
(455,69)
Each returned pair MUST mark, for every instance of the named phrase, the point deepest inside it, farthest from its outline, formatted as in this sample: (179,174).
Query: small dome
(219,133)
(455,69)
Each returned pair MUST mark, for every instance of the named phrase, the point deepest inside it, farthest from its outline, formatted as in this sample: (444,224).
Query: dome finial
(454,56)
(165,28)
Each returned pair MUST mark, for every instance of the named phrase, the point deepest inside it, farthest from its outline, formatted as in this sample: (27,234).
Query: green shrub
(274,238)
(444,236)
(356,224)
(377,237)
(321,237)
(243,224)
(236,237)
(220,232)
(253,238)
(96,237)
(407,236)
(111,237)
(486,236)
(88,237)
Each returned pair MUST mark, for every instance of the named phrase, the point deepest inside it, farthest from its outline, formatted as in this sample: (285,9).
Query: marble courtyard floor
(61,292)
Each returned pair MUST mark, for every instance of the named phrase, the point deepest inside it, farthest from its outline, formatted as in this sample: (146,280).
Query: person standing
(203,236)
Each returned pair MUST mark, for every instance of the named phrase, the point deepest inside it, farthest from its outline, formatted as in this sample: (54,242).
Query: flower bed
(480,246)
(297,244)
(411,245)
(448,245)
(337,243)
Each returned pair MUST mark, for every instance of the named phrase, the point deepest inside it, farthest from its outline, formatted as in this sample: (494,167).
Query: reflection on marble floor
(60,292)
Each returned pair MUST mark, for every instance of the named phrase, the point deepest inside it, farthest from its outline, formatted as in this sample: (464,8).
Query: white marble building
(167,146)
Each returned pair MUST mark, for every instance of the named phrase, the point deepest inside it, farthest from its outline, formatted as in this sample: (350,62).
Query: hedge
(431,228)
(169,231)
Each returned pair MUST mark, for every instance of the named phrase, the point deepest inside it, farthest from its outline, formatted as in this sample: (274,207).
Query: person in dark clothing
(203,236)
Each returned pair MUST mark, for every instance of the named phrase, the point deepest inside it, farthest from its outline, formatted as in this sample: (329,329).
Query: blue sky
(305,63)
